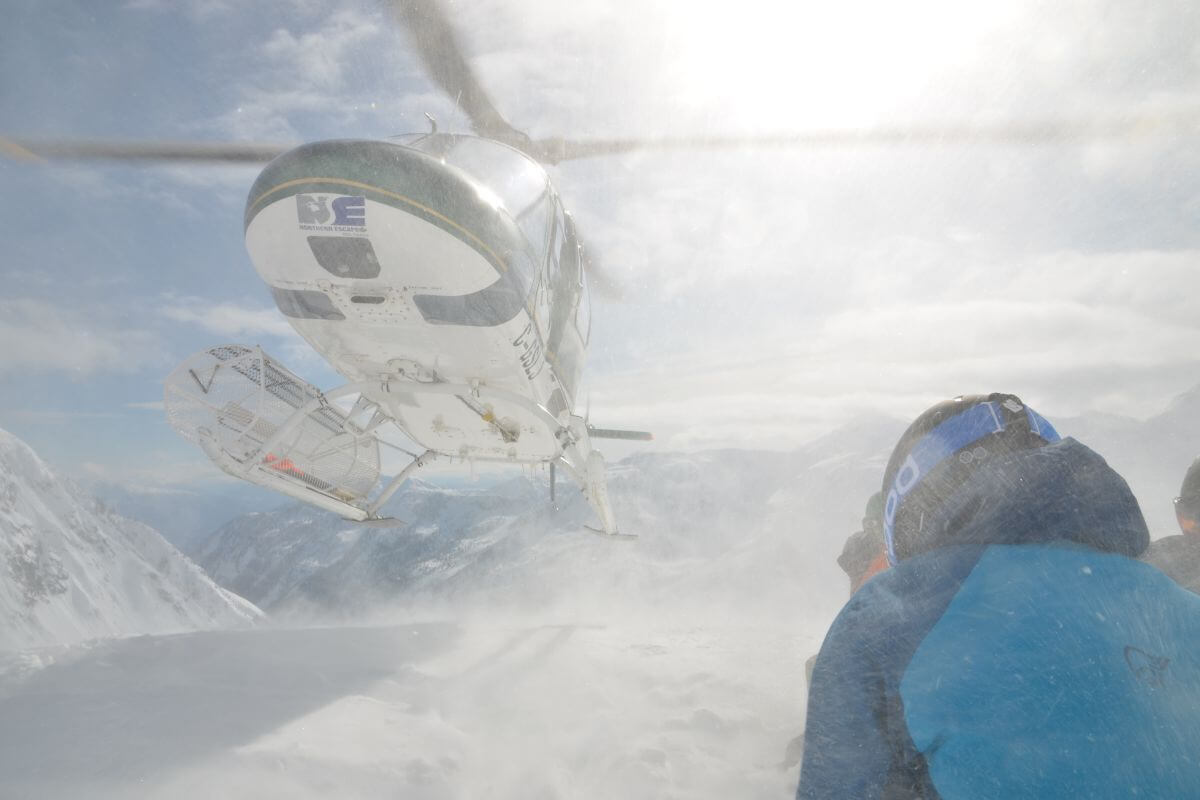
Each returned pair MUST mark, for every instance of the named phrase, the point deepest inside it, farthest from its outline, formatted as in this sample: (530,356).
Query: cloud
(151,405)
(197,9)
(187,191)
(330,70)
(317,58)
(157,491)
(771,293)
(234,322)
(41,336)
(230,320)
(161,475)
(46,416)
(1071,332)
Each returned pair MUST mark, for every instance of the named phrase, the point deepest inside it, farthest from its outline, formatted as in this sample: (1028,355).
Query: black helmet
(1187,505)
(941,449)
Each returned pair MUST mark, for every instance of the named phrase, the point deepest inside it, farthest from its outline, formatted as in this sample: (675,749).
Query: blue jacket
(1028,655)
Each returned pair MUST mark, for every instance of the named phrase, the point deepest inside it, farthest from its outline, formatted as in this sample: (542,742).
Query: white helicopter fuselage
(441,277)
(396,265)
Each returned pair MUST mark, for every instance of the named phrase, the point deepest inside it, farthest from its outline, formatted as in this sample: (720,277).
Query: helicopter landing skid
(606,535)
(260,422)
(383,522)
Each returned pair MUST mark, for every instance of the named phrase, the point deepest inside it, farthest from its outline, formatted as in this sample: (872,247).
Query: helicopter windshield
(519,183)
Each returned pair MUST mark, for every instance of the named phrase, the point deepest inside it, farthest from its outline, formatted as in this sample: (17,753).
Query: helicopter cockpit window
(569,255)
(583,314)
(532,222)
(493,305)
(557,236)
(519,183)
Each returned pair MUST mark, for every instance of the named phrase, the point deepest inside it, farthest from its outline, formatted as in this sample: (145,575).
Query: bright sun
(818,65)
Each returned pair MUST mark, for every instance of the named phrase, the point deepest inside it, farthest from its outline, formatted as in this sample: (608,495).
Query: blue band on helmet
(948,438)
(1039,425)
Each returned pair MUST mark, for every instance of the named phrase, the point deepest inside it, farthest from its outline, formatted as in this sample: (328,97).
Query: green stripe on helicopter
(419,185)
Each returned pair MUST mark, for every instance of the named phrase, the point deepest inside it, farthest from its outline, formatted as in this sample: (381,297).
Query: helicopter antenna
(432,123)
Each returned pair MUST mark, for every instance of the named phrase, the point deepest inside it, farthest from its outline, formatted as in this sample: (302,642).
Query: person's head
(937,454)
(1187,505)
(863,554)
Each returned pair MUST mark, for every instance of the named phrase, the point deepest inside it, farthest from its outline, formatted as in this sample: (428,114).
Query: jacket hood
(1061,491)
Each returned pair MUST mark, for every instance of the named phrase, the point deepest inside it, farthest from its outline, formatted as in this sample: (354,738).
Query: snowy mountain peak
(75,570)
(18,458)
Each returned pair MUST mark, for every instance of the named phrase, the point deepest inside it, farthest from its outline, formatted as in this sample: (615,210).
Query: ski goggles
(953,437)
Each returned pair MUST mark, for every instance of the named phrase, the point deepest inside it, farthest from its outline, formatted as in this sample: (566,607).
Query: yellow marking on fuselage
(394,195)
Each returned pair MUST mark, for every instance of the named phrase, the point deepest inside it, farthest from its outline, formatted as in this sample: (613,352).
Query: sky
(767,295)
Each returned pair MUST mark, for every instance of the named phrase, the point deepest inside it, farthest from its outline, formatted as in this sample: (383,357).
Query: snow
(621,708)
(73,570)
(715,530)
(502,652)
(490,649)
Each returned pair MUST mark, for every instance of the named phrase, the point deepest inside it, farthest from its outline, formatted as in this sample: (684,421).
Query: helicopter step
(618,536)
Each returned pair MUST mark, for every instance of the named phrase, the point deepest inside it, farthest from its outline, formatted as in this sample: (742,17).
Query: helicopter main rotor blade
(1046,132)
(445,63)
(226,152)
(443,58)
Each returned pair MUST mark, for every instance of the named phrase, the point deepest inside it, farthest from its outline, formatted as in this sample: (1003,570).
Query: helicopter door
(566,345)
(534,222)
(583,314)
(545,296)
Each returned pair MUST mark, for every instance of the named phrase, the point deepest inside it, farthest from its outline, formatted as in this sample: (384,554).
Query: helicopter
(442,277)
(438,273)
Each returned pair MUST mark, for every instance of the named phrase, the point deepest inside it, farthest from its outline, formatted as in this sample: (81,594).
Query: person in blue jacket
(1016,648)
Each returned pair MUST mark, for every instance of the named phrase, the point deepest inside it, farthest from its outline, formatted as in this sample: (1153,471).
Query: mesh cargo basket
(237,400)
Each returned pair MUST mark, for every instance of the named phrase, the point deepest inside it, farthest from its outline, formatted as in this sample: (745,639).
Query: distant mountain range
(1152,454)
(717,529)
(73,569)
(185,516)
(714,528)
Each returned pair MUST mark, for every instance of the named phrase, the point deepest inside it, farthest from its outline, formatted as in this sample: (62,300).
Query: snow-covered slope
(667,666)
(508,709)
(717,528)
(73,570)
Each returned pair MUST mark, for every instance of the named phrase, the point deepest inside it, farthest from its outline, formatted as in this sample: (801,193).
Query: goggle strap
(950,437)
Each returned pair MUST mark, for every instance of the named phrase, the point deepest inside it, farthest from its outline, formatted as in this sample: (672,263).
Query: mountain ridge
(77,570)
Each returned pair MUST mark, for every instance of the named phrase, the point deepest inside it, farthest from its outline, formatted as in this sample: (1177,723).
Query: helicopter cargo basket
(258,421)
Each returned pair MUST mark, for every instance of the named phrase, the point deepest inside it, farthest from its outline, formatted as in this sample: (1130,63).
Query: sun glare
(817,65)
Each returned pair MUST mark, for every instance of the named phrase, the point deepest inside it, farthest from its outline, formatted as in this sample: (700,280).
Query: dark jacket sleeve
(846,748)
(1179,557)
